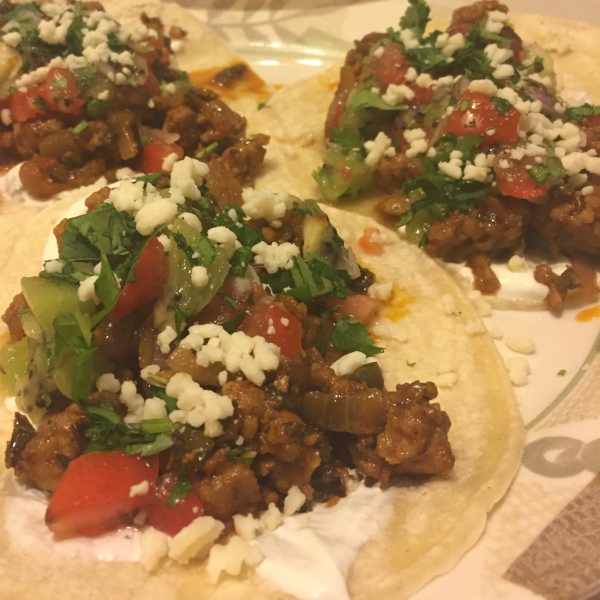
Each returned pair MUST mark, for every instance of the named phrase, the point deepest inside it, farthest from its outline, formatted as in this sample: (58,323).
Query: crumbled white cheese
(517,264)
(521,344)
(199,276)
(187,175)
(246,526)
(154,547)
(237,351)
(381,291)
(348,363)
(108,382)
(165,240)
(272,518)
(378,52)
(196,405)
(133,401)
(474,327)
(195,540)
(154,408)
(169,161)
(482,306)
(225,238)
(155,214)
(265,204)
(147,372)
(139,489)
(449,305)
(483,86)
(164,339)
(396,94)
(231,557)
(496,332)
(53,266)
(376,149)
(222,378)
(294,501)
(86,290)
(12,38)
(451,169)
(275,256)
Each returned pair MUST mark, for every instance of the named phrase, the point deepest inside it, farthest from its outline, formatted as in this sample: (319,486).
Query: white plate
(285,40)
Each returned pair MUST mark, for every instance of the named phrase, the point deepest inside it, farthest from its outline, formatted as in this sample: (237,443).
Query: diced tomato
(151,85)
(422,95)
(150,280)
(345,173)
(482,118)
(368,243)
(93,497)
(391,66)
(155,153)
(335,112)
(60,92)
(162,53)
(171,520)
(271,321)
(362,307)
(27,105)
(515,180)
(594,121)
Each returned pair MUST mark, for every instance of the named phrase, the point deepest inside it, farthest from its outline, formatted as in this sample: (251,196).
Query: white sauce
(24,521)
(309,556)
(515,286)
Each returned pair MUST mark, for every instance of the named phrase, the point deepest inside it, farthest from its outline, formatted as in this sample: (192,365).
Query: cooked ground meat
(227,488)
(57,441)
(493,226)
(558,285)
(485,280)
(468,15)
(11,317)
(570,223)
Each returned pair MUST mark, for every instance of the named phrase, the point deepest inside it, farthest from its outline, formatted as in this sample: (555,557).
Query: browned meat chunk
(23,433)
(176,33)
(57,441)
(392,207)
(415,438)
(228,76)
(228,488)
(485,280)
(478,11)
(29,135)
(571,223)
(494,225)
(94,200)
(558,285)
(245,159)
(11,318)
(282,436)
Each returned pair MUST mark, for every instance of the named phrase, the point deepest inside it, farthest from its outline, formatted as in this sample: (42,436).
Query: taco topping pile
(466,133)
(81,97)
(201,364)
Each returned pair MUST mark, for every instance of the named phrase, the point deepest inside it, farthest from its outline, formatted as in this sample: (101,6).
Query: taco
(84,97)
(225,347)
(463,138)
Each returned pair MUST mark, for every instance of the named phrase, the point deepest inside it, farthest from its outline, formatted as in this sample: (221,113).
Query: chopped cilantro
(502,105)
(96,108)
(170,402)
(181,490)
(39,102)
(262,105)
(81,126)
(425,58)
(107,289)
(207,151)
(367,99)
(151,178)
(351,337)
(109,432)
(579,113)
(243,454)
(416,17)
(538,64)
(240,260)
(411,364)
(552,170)
(348,139)
(562,373)
(74,36)
(246,235)
(60,83)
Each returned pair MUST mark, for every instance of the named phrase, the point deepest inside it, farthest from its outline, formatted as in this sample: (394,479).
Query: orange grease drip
(398,306)
(248,84)
(585,316)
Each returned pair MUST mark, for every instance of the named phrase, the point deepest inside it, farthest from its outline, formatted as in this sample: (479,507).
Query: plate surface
(543,539)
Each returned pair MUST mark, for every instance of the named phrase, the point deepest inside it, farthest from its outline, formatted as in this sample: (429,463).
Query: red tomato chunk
(93,496)
(150,280)
(155,153)
(171,520)
(482,118)
(271,321)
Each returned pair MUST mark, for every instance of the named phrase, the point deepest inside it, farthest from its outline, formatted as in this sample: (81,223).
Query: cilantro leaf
(348,336)
(240,260)
(577,114)
(425,58)
(181,490)
(367,99)
(552,170)
(246,235)
(348,139)
(207,151)
(107,289)
(244,454)
(416,17)
(502,105)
